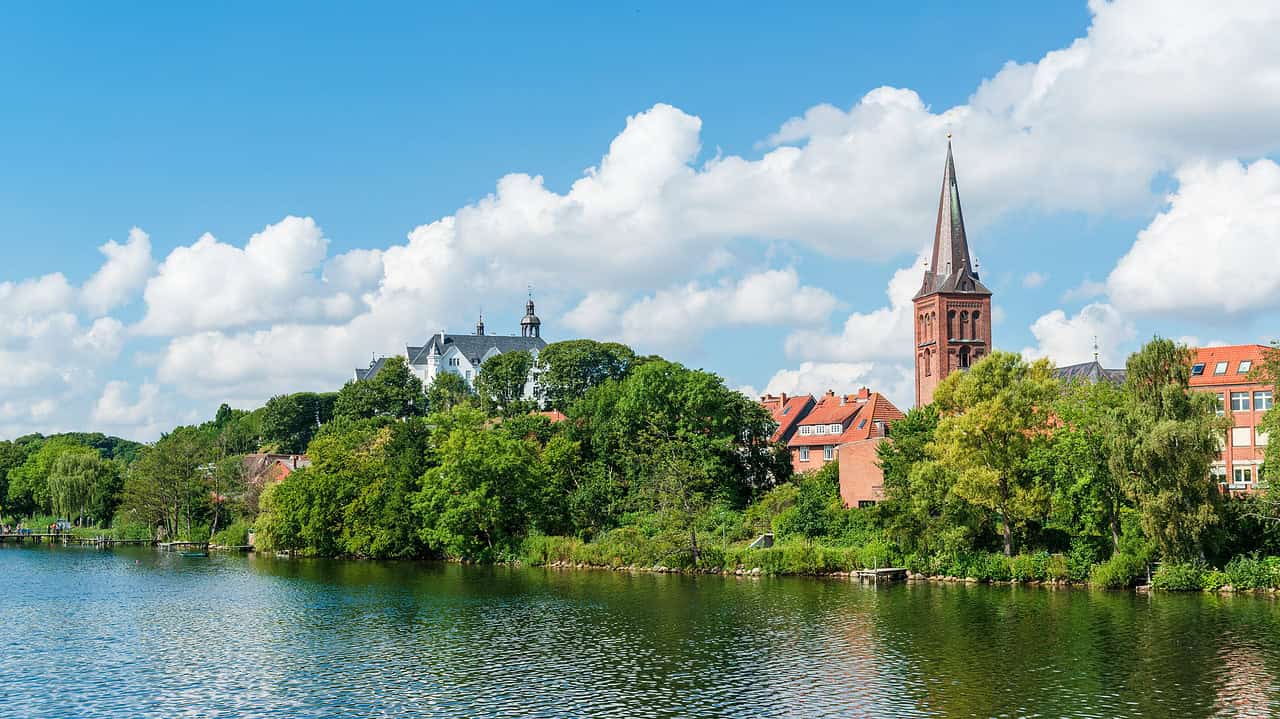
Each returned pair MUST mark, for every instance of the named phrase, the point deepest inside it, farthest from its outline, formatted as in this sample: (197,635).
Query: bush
(235,534)
(1119,572)
(1253,572)
(1179,576)
(1213,580)
(1081,558)
(1030,567)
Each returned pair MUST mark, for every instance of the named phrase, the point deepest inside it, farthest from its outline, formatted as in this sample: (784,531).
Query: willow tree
(72,480)
(1165,442)
(995,416)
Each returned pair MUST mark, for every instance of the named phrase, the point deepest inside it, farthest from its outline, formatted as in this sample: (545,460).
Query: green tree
(1088,496)
(12,455)
(28,490)
(1269,372)
(817,505)
(502,380)
(166,486)
(447,391)
(290,421)
(73,479)
(1167,439)
(994,416)
(568,369)
(393,392)
(475,502)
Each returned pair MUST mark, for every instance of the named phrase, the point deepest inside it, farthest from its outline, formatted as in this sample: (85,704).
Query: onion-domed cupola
(530,325)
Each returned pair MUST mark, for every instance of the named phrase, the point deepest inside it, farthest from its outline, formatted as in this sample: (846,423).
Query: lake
(92,633)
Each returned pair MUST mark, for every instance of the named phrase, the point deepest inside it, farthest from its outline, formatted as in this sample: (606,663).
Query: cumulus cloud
(1070,340)
(883,333)
(125,271)
(677,317)
(1086,290)
(895,380)
(1213,250)
(1034,279)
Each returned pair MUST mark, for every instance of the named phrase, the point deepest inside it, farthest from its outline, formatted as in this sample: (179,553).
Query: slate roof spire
(951,269)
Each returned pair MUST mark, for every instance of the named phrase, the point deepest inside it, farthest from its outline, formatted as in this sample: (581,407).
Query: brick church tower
(953,309)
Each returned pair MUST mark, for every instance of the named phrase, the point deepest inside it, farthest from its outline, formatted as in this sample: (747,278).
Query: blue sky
(770,173)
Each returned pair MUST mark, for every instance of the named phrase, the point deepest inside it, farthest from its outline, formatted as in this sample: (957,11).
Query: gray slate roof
(1091,372)
(474,347)
(373,369)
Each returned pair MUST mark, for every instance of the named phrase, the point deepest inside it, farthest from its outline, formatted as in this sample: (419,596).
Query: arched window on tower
(928,363)
(964,320)
(977,328)
(951,324)
(964,358)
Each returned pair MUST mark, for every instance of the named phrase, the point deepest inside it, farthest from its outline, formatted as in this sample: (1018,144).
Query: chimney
(830,393)
(783,396)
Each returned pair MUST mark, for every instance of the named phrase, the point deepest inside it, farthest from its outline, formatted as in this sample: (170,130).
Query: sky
(219,203)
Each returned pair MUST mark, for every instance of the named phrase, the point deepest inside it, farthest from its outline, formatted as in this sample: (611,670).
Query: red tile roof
(786,411)
(554,415)
(829,410)
(1233,355)
(863,426)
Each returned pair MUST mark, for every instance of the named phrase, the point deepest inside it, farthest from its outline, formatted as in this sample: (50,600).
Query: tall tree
(166,486)
(993,417)
(28,490)
(1169,437)
(74,479)
(393,392)
(1088,495)
(566,370)
(447,391)
(502,381)
(290,421)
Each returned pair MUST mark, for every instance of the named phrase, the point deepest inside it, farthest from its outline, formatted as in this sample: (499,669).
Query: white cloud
(894,380)
(43,295)
(211,284)
(883,333)
(1070,340)
(1087,289)
(125,271)
(115,407)
(1214,250)
(677,318)
(1034,279)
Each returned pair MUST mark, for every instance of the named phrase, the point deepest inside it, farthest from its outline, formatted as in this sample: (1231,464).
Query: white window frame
(1240,402)
(1244,366)
(834,428)
(804,454)
(1221,409)
(828,453)
(806,430)
(1241,477)
(1241,436)
(1263,400)
(1221,367)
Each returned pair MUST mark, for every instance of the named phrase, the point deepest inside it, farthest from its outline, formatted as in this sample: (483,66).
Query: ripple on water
(144,634)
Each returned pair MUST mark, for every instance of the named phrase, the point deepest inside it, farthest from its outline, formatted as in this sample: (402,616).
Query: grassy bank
(629,549)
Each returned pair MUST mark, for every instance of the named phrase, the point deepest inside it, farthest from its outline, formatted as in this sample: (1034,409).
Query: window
(468,375)
(836,428)
(806,429)
(804,454)
(1262,400)
(1239,401)
(1240,436)
(828,453)
(1244,366)
(1261,438)
(964,358)
(1241,476)
(862,424)
(864,503)
(785,410)
(1197,369)
(1221,406)
(1220,368)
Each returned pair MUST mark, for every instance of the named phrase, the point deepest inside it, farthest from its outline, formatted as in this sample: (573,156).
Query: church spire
(951,269)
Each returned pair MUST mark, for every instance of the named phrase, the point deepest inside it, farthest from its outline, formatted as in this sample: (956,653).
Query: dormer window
(1245,366)
(1220,368)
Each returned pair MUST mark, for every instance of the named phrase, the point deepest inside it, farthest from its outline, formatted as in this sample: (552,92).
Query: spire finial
(1095,348)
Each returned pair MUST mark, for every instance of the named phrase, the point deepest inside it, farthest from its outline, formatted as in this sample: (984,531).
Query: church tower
(953,308)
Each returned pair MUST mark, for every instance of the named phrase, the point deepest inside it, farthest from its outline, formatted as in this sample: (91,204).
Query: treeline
(1010,474)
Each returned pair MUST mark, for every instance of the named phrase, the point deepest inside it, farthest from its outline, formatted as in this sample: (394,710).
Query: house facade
(464,354)
(1227,373)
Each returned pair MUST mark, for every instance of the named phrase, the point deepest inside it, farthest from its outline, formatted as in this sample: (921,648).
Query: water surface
(90,633)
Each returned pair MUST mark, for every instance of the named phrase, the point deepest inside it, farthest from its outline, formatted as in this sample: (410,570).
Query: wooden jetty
(67,538)
(883,574)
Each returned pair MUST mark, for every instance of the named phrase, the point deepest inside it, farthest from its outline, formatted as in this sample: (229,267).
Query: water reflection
(147,634)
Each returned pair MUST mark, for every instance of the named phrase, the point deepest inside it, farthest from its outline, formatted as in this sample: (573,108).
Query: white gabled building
(463,354)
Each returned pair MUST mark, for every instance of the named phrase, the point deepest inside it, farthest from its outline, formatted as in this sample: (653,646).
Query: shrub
(1253,572)
(1179,576)
(1057,568)
(1213,580)
(235,534)
(1030,567)
(1081,558)
(875,554)
(1119,572)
